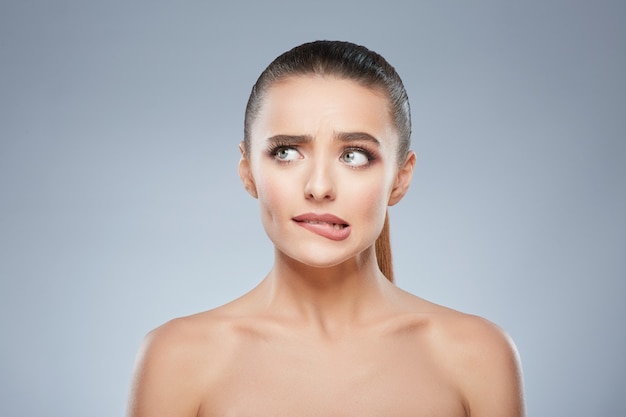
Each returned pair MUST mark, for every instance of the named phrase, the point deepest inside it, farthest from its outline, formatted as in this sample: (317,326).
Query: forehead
(307,105)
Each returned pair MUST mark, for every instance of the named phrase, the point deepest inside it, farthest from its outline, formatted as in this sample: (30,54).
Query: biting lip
(325,225)
(313,218)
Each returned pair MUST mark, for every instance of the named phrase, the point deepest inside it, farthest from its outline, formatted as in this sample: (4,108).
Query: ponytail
(383,251)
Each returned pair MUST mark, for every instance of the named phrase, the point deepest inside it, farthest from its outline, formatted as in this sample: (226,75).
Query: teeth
(334,225)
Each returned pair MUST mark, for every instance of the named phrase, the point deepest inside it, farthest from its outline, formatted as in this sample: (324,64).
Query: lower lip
(326,230)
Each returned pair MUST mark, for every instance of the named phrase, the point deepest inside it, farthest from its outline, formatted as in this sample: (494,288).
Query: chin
(321,257)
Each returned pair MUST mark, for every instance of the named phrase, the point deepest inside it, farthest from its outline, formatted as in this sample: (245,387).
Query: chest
(369,379)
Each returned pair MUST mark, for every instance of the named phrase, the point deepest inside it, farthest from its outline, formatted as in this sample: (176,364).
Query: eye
(285,154)
(355,157)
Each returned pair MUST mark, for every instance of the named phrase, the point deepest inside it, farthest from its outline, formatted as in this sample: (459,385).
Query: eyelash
(369,154)
(273,150)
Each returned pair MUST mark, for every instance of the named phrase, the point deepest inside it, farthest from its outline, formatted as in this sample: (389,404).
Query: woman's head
(342,60)
(311,117)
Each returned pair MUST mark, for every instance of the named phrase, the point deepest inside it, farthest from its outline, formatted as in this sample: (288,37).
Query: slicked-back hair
(343,60)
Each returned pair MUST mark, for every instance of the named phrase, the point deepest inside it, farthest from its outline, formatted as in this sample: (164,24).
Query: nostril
(320,181)
(320,191)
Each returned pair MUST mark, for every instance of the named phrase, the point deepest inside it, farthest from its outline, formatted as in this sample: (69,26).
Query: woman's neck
(331,298)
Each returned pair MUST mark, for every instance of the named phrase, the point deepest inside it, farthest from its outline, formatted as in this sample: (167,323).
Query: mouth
(325,225)
(337,226)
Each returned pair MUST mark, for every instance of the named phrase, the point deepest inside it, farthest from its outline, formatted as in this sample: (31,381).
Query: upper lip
(321,218)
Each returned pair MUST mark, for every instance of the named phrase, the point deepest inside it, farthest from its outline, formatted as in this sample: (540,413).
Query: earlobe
(245,173)
(403,179)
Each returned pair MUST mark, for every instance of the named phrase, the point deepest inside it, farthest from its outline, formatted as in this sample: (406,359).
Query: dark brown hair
(343,60)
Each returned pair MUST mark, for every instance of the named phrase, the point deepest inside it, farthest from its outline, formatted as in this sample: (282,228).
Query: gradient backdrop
(120,204)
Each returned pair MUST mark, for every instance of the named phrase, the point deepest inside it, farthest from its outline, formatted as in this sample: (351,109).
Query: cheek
(273,195)
(370,200)
(373,196)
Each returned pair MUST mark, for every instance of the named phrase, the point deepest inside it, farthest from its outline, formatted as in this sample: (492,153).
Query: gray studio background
(121,208)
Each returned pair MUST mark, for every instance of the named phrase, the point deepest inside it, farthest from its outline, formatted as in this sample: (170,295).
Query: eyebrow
(290,139)
(341,137)
(356,136)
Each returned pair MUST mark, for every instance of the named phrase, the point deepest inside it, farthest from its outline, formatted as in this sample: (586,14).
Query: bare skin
(325,333)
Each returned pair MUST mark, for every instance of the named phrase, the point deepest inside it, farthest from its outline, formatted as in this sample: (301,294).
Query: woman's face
(323,164)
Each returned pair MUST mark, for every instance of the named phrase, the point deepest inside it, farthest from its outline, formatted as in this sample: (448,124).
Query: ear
(403,179)
(245,173)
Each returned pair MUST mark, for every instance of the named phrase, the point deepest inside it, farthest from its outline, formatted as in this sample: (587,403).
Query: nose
(320,183)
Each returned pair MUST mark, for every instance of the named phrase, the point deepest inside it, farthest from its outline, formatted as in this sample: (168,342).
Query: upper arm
(492,385)
(164,381)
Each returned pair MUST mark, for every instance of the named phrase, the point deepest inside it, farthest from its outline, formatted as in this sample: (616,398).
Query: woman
(327,333)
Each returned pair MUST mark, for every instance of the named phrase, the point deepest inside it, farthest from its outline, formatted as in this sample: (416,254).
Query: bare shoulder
(482,362)
(474,355)
(470,335)
(176,362)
